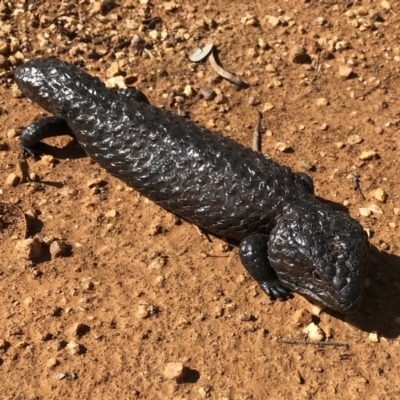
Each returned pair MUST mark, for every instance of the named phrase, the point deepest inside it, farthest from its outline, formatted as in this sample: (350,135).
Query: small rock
(111,214)
(157,263)
(321,102)
(131,24)
(375,209)
(13,179)
(114,70)
(341,45)
(373,337)
(205,391)
(299,55)
(13,133)
(171,6)
(380,195)
(365,212)
(307,165)
(3,344)
(274,21)
(52,363)
(270,68)
(302,318)
(386,5)
(340,145)
(174,371)
(188,91)
(354,139)
(207,93)
(48,159)
(74,348)
(378,130)
(314,332)
(22,344)
(267,107)
(4,48)
(367,155)
(58,249)
(324,127)
(29,248)
(345,71)
(28,301)
(220,99)
(316,310)
(244,317)
(282,147)
(143,310)
(396,211)
(327,55)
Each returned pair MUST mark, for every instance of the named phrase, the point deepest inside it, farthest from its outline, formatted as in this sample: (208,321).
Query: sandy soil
(136,290)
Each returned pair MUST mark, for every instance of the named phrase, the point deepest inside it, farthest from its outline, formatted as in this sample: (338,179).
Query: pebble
(270,68)
(113,70)
(205,391)
(345,71)
(299,55)
(52,363)
(354,139)
(375,209)
(48,159)
(365,212)
(13,133)
(396,211)
(188,91)
(267,107)
(244,317)
(111,214)
(340,145)
(373,337)
(314,332)
(380,195)
(3,344)
(13,179)
(157,263)
(302,318)
(282,147)
(131,24)
(207,93)
(171,6)
(29,248)
(386,5)
(307,165)
(28,301)
(321,102)
(378,130)
(174,371)
(274,21)
(367,155)
(220,99)
(143,310)
(74,348)
(58,249)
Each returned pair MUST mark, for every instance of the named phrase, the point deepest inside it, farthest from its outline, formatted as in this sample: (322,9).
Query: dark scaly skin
(289,239)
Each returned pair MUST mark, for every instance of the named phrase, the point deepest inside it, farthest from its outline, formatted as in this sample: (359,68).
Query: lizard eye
(316,275)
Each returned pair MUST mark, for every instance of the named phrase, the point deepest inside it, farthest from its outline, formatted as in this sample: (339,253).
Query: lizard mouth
(347,303)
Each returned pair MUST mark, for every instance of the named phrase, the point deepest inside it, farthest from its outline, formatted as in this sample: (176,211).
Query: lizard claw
(275,289)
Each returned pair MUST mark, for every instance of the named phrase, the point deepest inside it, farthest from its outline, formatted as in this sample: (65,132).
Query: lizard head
(321,254)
